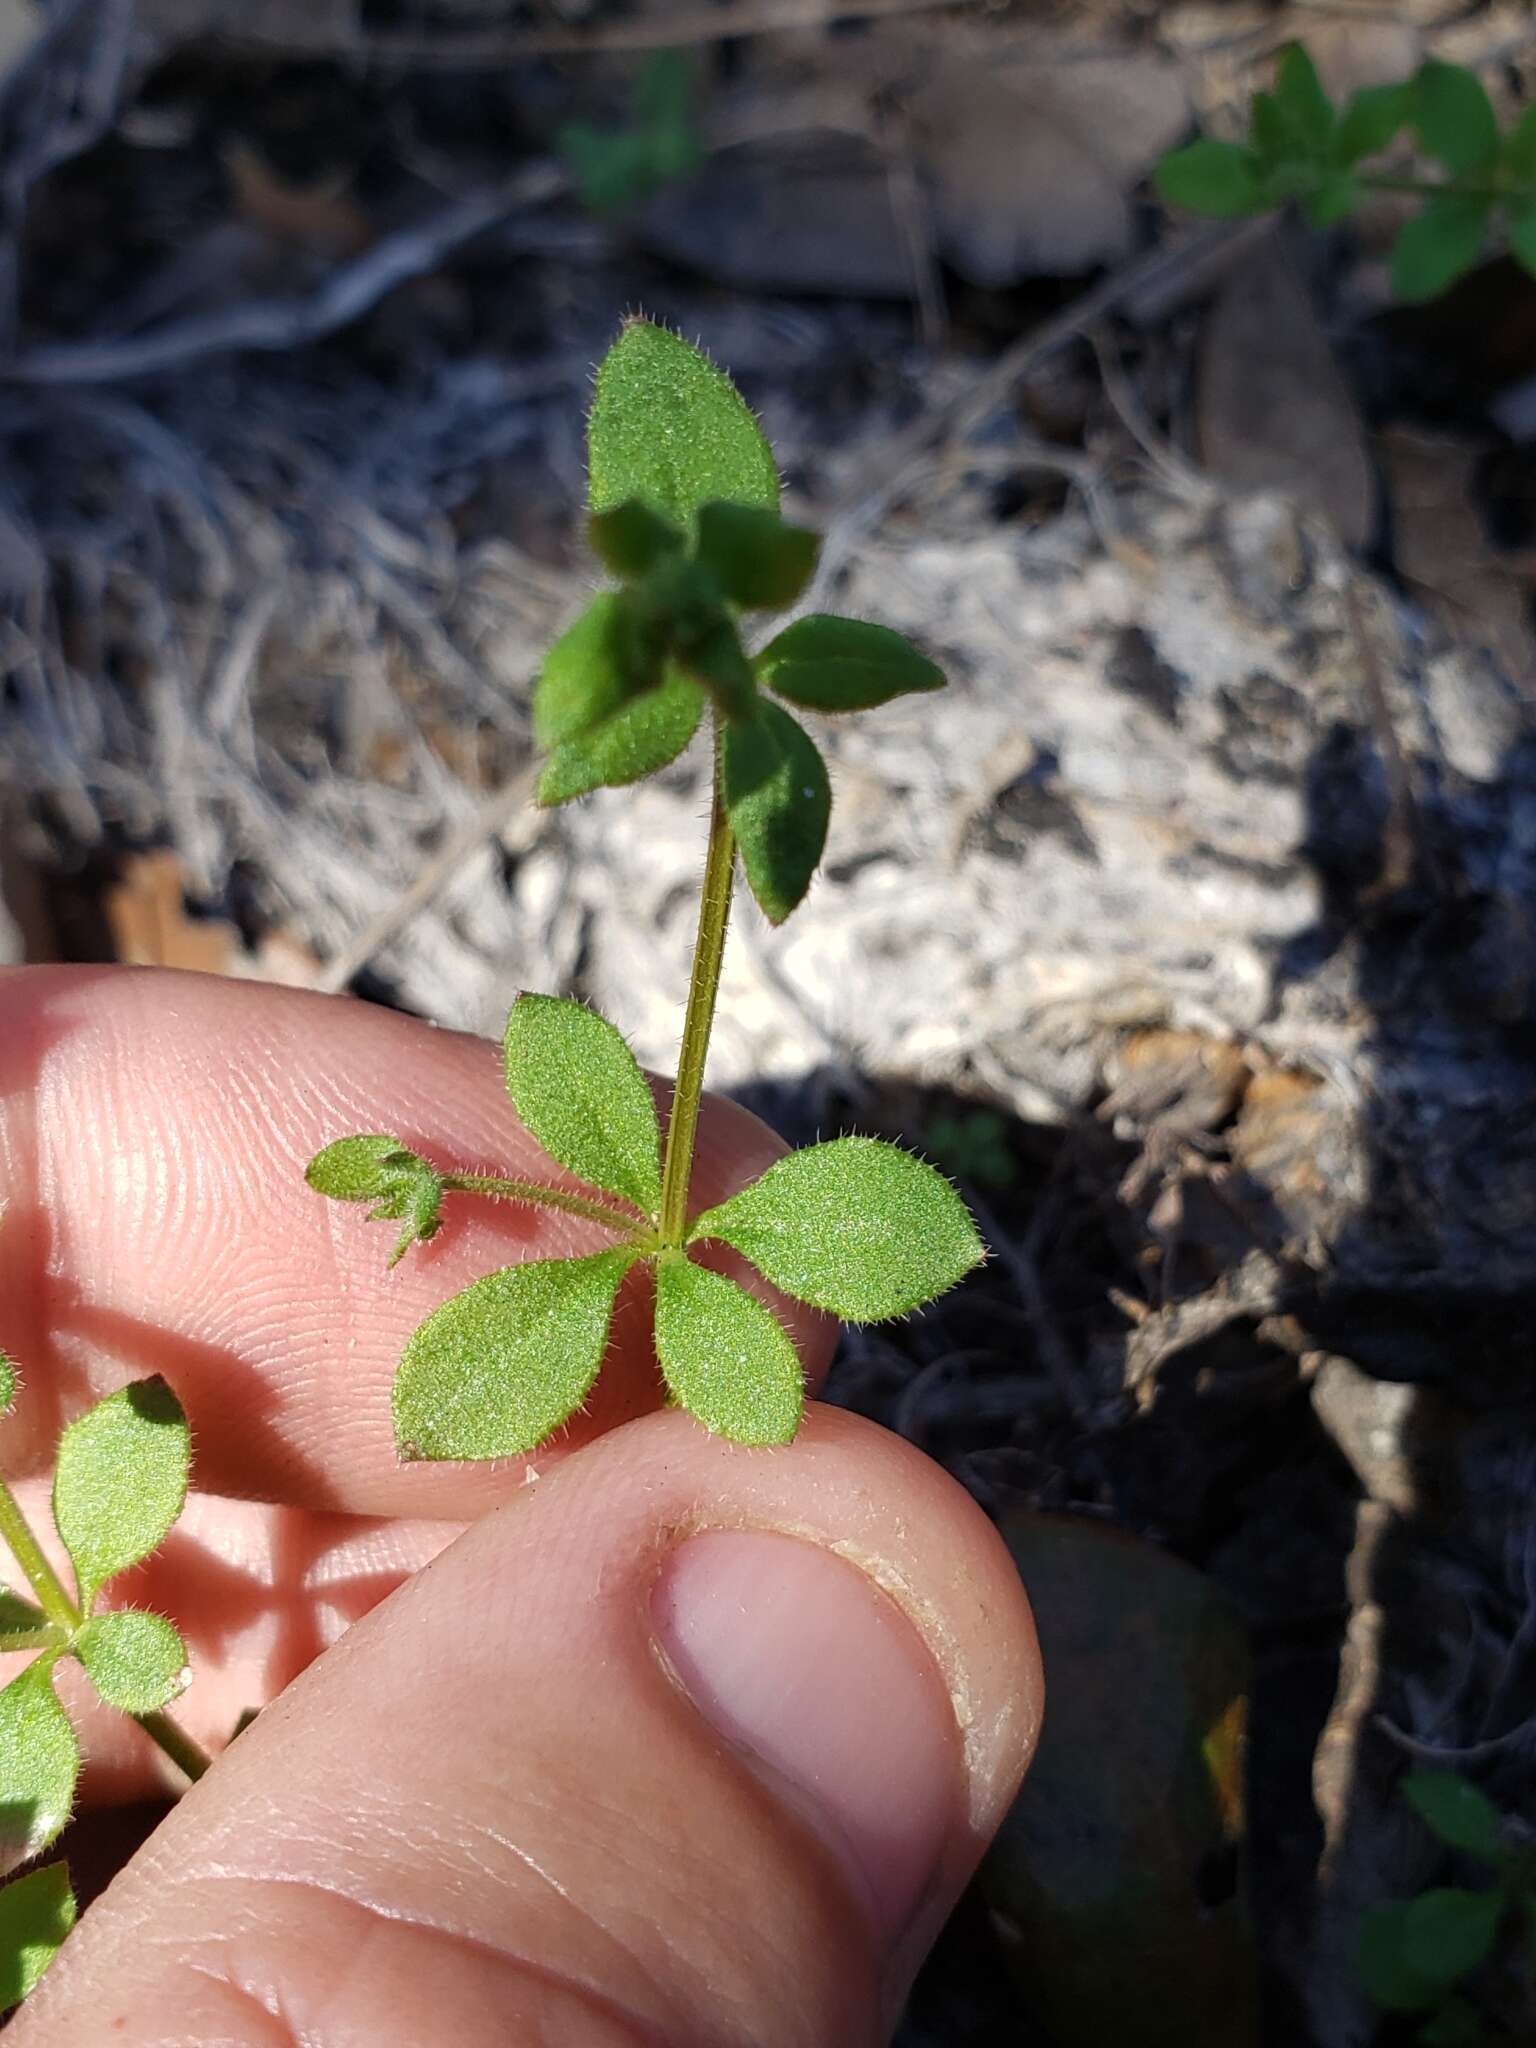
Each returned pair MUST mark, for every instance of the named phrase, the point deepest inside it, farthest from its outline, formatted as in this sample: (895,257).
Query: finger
(154,1130)
(686,1745)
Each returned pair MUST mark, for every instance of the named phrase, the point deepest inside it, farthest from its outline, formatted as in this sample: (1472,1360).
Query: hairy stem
(28,1639)
(188,1756)
(47,1587)
(703,988)
(539,1197)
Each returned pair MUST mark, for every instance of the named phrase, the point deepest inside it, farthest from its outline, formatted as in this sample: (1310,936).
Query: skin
(547,1766)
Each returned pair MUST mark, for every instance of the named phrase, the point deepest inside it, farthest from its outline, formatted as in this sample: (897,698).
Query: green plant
(616,168)
(684,497)
(1417,1955)
(120,1481)
(1302,148)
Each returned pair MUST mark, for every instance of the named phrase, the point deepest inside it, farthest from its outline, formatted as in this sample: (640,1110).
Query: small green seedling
(684,500)
(120,1482)
(1302,148)
(617,168)
(1417,1956)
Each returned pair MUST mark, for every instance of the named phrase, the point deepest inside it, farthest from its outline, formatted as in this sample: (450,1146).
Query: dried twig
(954,419)
(1016,1255)
(497,46)
(287,323)
(59,99)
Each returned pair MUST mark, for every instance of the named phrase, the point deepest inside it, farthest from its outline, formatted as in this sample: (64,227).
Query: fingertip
(686,1744)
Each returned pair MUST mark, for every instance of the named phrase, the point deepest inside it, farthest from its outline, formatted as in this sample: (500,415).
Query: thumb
(685,1745)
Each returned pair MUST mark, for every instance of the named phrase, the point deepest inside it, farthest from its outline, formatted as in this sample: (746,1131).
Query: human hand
(679,1744)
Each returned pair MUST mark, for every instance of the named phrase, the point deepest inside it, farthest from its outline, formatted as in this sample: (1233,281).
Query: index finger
(154,1129)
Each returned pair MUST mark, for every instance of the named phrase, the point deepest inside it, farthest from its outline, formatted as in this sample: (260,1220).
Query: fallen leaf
(1115,1881)
(150,926)
(1352,51)
(1033,162)
(319,217)
(1180,1080)
(1274,411)
(1199,25)
(1293,1143)
(1442,547)
(147,917)
(803,213)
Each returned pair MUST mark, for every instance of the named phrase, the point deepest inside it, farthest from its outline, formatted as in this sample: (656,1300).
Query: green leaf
(596,666)
(1437,246)
(1521,230)
(1387,1969)
(1454,117)
(501,1366)
(1271,135)
(1207,176)
(645,735)
(1304,107)
(610,168)
(669,427)
(136,1661)
(576,1085)
(379,1169)
(715,660)
(120,1481)
(17,1614)
(831,664)
(853,1226)
(7,1382)
(617,168)
(726,1358)
(632,538)
(1458,1813)
(761,563)
(1371,121)
(1332,199)
(664,94)
(779,802)
(39,1763)
(1518,153)
(1449,1931)
(36,1912)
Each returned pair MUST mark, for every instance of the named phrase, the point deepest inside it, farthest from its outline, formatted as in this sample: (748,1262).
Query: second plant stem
(65,1618)
(703,989)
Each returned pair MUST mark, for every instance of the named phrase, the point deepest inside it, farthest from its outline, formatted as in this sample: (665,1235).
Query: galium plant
(1302,148)
(1418,1956)
(120,1481)
(684,516)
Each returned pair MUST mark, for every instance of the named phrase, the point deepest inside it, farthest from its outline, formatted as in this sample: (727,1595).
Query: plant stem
(542,1198)
(1439,188)
(28,1639)
(703,988)
(187,1755)
(47,1587)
